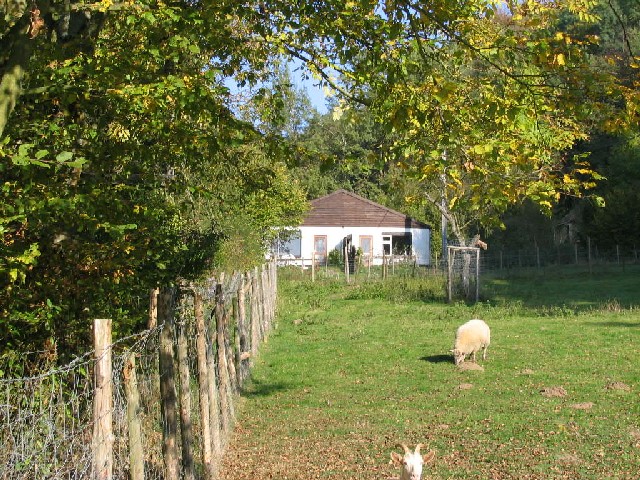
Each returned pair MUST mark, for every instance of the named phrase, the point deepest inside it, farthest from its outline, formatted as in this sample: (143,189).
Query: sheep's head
(458,356)
(411,462)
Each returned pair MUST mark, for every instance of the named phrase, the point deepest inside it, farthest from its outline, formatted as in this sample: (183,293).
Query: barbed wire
(46,420)
(84,359)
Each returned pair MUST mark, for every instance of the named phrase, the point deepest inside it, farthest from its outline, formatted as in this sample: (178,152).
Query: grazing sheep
(411,462)
(471,337)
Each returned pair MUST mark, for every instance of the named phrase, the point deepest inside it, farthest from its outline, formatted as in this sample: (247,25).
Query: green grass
(352,370)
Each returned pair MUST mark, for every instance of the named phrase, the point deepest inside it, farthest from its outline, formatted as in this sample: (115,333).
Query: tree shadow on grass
(565,289)
(616,324)
(437,359)
(256,388)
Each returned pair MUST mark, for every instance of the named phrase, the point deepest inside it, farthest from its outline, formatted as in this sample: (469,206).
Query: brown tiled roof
(344,208)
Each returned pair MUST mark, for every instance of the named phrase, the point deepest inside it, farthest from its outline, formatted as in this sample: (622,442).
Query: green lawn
(352,370)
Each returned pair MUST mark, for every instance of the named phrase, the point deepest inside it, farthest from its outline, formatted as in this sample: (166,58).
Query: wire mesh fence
(364,268)
(43,421)
(533,256)
(462,274)
(171,409)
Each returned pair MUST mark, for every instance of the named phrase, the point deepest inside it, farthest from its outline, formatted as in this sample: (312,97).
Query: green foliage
(351,151)
(335,258)
(126,162)
(344,152)
(401,290)
(123,168)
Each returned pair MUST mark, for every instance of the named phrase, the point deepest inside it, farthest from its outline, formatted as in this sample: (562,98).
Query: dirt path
(260,449)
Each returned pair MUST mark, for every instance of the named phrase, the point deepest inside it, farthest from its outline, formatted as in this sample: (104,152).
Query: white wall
(420,240)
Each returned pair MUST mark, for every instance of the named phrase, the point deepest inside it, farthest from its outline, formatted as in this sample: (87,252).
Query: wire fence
(584,254)
(461,279)
(172,389)
(495,259)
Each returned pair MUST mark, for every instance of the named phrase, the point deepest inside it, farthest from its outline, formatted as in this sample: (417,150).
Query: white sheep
(471,337)
(411,462)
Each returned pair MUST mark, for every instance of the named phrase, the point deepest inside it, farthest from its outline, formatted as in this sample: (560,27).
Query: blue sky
(316,93)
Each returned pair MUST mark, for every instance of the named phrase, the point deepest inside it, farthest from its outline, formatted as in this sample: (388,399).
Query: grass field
(352,370)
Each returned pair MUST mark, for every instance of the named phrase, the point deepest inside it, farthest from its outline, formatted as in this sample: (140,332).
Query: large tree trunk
(461,239)
(20,47)
(18,42)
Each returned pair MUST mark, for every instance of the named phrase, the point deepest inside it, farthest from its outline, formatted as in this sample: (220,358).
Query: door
(320,249)
(366,245)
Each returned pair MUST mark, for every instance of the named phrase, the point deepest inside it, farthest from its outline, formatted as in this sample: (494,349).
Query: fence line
(366,265)
(495,259)
(171,408)
(586,253)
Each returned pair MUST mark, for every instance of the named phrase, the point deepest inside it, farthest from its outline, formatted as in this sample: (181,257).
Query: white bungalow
(343,216)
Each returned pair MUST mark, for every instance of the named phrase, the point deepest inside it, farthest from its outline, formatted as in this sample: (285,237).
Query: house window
(386,244)
(366,245)
(320,248)
(402,244)
(288,245)
(397,243)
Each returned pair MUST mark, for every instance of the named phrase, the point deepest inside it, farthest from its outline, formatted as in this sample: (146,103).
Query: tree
(487,106)
(122,167)
(126,165)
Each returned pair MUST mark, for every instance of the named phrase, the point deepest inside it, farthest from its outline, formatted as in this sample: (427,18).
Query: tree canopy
(128,163)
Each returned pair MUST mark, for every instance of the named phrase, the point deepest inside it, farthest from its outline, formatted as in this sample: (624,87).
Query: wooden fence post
(477,275)
(223,372)
(345,255)
(237,351)
(255,316)
(449,274)
(103,402)
(241,335)
(214,395)
(168,400)
(274,272)
(203,387)
(271,293)
(274,289)
(313,266)
(263,306)
(231,363)
(153,309)
(384,266)
(185,405)
(136,454)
